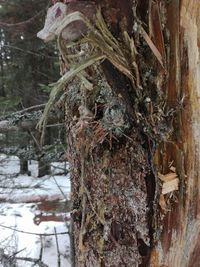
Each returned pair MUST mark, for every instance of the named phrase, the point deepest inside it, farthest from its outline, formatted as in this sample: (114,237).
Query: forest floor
(27,228)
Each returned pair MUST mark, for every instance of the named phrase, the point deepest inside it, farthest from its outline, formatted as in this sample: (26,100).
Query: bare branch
(57,247)
(29,233)
(27,119)
(36,261)
(35,141)
(61,191)
(42,248)
(29,52)
(20,112)
(22,23)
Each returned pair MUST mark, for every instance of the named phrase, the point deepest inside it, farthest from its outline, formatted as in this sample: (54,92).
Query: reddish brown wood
(179,244)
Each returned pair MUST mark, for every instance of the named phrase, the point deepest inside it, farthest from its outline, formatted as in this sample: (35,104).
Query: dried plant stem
(105,46)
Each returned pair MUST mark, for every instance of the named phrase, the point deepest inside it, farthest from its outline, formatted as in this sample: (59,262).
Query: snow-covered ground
(20,196)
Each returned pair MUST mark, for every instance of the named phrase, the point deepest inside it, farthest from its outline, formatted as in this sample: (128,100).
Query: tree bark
(112,178)
(113,131)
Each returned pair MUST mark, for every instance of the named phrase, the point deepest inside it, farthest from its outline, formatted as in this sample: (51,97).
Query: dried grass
(103,46)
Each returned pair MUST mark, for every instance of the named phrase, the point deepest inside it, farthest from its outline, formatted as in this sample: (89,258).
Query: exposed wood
(179,244)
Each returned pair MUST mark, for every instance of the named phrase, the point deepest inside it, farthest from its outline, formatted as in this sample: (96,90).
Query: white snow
(19,196)
(26,188)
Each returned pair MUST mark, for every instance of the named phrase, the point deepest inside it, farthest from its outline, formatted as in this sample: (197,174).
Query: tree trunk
(123,136)
(179,242)
(110,156)
(24,166)
(44,168)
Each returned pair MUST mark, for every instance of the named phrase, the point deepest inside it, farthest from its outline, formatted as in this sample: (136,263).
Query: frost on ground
(21,197)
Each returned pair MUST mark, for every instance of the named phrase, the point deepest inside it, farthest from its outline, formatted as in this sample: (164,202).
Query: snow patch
(18,231)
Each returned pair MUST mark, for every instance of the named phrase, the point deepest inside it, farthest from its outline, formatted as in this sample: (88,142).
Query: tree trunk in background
(44,168)
(24,166)
(2,85)
(115,187)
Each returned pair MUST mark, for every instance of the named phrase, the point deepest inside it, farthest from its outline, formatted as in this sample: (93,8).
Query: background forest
(27,66)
